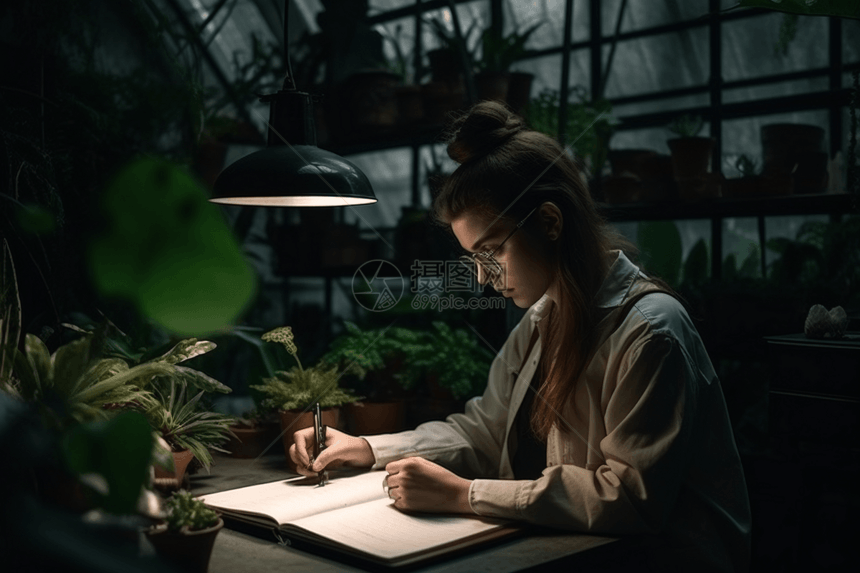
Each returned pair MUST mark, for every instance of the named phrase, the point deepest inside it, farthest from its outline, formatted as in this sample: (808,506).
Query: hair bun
(481,130)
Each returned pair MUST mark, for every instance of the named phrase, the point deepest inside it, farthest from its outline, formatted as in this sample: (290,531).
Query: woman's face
(527,273)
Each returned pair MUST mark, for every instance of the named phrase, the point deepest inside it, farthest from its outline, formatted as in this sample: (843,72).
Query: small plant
(589,123)
(184,422)
(456,357)
(498,51)
(299,387)
(71,384)
(184,513)
(746,166)
(686,125)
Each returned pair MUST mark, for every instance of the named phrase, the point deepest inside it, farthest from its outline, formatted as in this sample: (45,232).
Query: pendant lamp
(292,171)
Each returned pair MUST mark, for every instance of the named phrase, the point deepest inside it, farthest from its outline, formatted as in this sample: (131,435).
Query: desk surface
(235,551)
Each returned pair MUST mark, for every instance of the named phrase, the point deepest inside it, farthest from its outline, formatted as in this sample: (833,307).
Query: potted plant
(253,432)
(494,80)
(691,159)
(294,392)
(455,366)
(372,362)
(587,131)
(410,105)
(187,534)
(189,428)
(446,90)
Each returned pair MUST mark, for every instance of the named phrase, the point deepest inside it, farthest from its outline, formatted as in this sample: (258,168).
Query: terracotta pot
(519,90)
(445,65)
(630,161)
(439,100)
(410,104)
(189,551)
(691,165)
(367,103)
(492,86)
(294,420)
(180,463)
(368,418)
(252,442)
(796,150)
(617,189)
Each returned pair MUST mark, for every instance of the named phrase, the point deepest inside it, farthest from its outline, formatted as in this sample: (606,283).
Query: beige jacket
(650,448)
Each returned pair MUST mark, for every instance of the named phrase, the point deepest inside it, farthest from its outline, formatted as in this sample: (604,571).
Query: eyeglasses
(487,263)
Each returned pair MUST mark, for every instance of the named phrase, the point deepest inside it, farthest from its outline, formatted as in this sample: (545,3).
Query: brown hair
(507,169)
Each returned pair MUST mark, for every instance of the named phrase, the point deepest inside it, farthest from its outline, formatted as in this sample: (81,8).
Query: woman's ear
(551,220)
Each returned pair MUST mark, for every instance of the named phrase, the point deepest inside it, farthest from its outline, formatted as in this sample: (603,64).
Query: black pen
(319,440)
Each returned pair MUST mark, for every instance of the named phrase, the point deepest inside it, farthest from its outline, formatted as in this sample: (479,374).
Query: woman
(602,411)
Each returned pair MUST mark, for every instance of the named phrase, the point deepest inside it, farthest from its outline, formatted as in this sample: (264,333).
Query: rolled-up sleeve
(647,418)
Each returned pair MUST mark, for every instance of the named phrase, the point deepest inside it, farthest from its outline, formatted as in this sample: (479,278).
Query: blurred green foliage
(168,250)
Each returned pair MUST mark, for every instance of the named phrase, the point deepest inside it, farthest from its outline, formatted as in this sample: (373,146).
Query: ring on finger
(385,486)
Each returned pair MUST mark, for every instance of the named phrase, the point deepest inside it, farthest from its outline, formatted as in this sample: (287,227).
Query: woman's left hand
(417,484)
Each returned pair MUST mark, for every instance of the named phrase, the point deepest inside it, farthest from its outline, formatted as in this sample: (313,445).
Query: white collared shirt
(648,449)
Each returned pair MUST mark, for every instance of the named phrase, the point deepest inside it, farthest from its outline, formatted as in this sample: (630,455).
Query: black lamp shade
(292,176)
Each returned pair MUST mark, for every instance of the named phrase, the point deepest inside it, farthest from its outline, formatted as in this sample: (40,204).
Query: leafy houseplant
(454,359)
(294,392)
(691,159)
(493,79)
(188,533)
(588,127)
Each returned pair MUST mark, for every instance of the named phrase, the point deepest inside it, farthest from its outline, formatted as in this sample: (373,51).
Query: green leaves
(299,389)
(499,52)
(661,250)
(168,250)
(185,512)
(119,450)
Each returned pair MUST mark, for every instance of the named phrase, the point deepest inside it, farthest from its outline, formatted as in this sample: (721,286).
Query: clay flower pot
(180,464)
(370,418)
(188,550)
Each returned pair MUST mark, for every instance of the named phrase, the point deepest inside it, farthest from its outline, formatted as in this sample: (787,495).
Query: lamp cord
(289,81)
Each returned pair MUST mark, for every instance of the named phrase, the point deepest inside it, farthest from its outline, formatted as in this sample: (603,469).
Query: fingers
(299,449)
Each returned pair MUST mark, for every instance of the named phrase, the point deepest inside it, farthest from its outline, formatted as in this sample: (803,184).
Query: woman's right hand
(341,450)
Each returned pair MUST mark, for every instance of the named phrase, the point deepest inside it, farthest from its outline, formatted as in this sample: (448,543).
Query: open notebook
(353,516)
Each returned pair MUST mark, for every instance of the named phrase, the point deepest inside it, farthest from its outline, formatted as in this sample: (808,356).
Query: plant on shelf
(500,51)
(454,359)
(587,130)
(295,391)
(686,125)
(300,388)
(187,533)
(691,159)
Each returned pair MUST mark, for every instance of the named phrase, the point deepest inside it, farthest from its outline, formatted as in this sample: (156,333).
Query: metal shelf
(721,208)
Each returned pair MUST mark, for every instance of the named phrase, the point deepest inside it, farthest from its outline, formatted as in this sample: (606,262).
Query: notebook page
(287,501)
(379,528)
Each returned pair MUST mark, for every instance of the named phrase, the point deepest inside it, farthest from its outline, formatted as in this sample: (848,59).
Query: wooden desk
(235,551)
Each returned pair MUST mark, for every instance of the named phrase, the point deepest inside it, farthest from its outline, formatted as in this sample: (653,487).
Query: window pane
(850,41)
(547,71)
(743,136)
(580,69)
(380,6)
(399,46)
(657,63)
(521,15)
(390,174)
(683,102)
(473,16)
(749,47)
(776,90)
(641,15)
(741,242)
